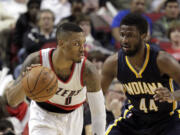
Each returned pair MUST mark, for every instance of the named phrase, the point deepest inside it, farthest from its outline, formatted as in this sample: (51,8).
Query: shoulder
(165,61)
(163,57)
(123,13)
(168,65)
(33,58)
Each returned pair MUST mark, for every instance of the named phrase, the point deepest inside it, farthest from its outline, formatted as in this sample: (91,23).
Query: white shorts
(43,122)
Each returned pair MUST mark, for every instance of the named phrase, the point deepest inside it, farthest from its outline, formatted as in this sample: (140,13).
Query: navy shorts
(138,125)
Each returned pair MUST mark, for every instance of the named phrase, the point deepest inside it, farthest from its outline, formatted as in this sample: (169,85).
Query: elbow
(12,100)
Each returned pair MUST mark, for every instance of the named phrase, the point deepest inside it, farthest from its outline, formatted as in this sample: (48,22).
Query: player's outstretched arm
(169,66)
(109,72)
(91,79)
(14,93)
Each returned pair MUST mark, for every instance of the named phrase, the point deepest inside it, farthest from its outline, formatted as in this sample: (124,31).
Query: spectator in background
(6,127)
(5,116)
(14,8)
(26,21)
(174,36)
(84,22)
(158,5)
(43,36)
(121,4)
(76,10)
(43,33)
(91,45)
(103,14)
(101,20)
(161,26)
(90,6)
(60,8)
(124,4)
(19,115)
(137,6)
(115,99)
(10,10)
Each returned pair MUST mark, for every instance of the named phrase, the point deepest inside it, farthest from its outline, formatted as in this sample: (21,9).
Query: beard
(133,52)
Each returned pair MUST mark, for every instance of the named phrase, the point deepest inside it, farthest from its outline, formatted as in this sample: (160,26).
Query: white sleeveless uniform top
(70,94)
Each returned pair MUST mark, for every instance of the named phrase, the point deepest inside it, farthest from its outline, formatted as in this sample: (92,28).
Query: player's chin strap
(98,112)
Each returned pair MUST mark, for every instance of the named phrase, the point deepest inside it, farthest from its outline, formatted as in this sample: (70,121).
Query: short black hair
(169,1)
(67,28)
(33,1)
(135,19)
(76,1)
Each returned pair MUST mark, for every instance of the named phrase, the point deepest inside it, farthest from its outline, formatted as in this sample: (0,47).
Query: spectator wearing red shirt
(174,35)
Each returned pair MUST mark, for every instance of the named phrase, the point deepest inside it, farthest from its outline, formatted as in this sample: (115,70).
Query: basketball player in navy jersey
(146,74)
(77,77)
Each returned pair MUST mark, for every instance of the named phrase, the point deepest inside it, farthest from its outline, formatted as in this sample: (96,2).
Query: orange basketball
(40,83)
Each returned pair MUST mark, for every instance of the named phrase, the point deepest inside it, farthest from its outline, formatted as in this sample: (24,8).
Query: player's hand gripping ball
(40,83)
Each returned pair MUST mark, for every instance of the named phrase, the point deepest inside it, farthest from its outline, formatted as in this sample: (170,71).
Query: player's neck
(138,59)
(60,62)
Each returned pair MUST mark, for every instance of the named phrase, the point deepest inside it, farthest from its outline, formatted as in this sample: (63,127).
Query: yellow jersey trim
(139,75)
(178,113)
(111,126)
(127,110)
(172,90)
(116,121)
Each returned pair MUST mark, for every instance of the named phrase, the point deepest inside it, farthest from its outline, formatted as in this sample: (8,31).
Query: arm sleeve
(98,113)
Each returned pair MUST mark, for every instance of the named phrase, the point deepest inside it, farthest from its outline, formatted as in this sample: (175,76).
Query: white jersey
(70,94)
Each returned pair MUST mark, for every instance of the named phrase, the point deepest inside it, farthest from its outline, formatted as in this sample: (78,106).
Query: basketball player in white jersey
(77,77)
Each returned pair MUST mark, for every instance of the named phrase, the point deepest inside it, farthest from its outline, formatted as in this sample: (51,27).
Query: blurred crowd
(27,26)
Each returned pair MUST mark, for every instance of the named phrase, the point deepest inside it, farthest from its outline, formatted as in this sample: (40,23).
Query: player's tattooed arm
(91,77)
(169,66)
(14,94)
(32,59)
(95,98)
(109,72)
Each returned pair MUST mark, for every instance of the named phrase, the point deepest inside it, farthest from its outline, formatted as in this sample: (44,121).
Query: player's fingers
(158,89)
(161,90)
(157,97)
(167,94)
(35,65)
(161,99)
(28,68)
(168,99)
(163,93)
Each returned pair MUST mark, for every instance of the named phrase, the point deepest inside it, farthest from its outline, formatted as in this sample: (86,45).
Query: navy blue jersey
(140,86)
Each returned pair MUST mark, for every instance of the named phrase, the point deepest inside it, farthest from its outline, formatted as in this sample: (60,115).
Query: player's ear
(60,43)
(143,36)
